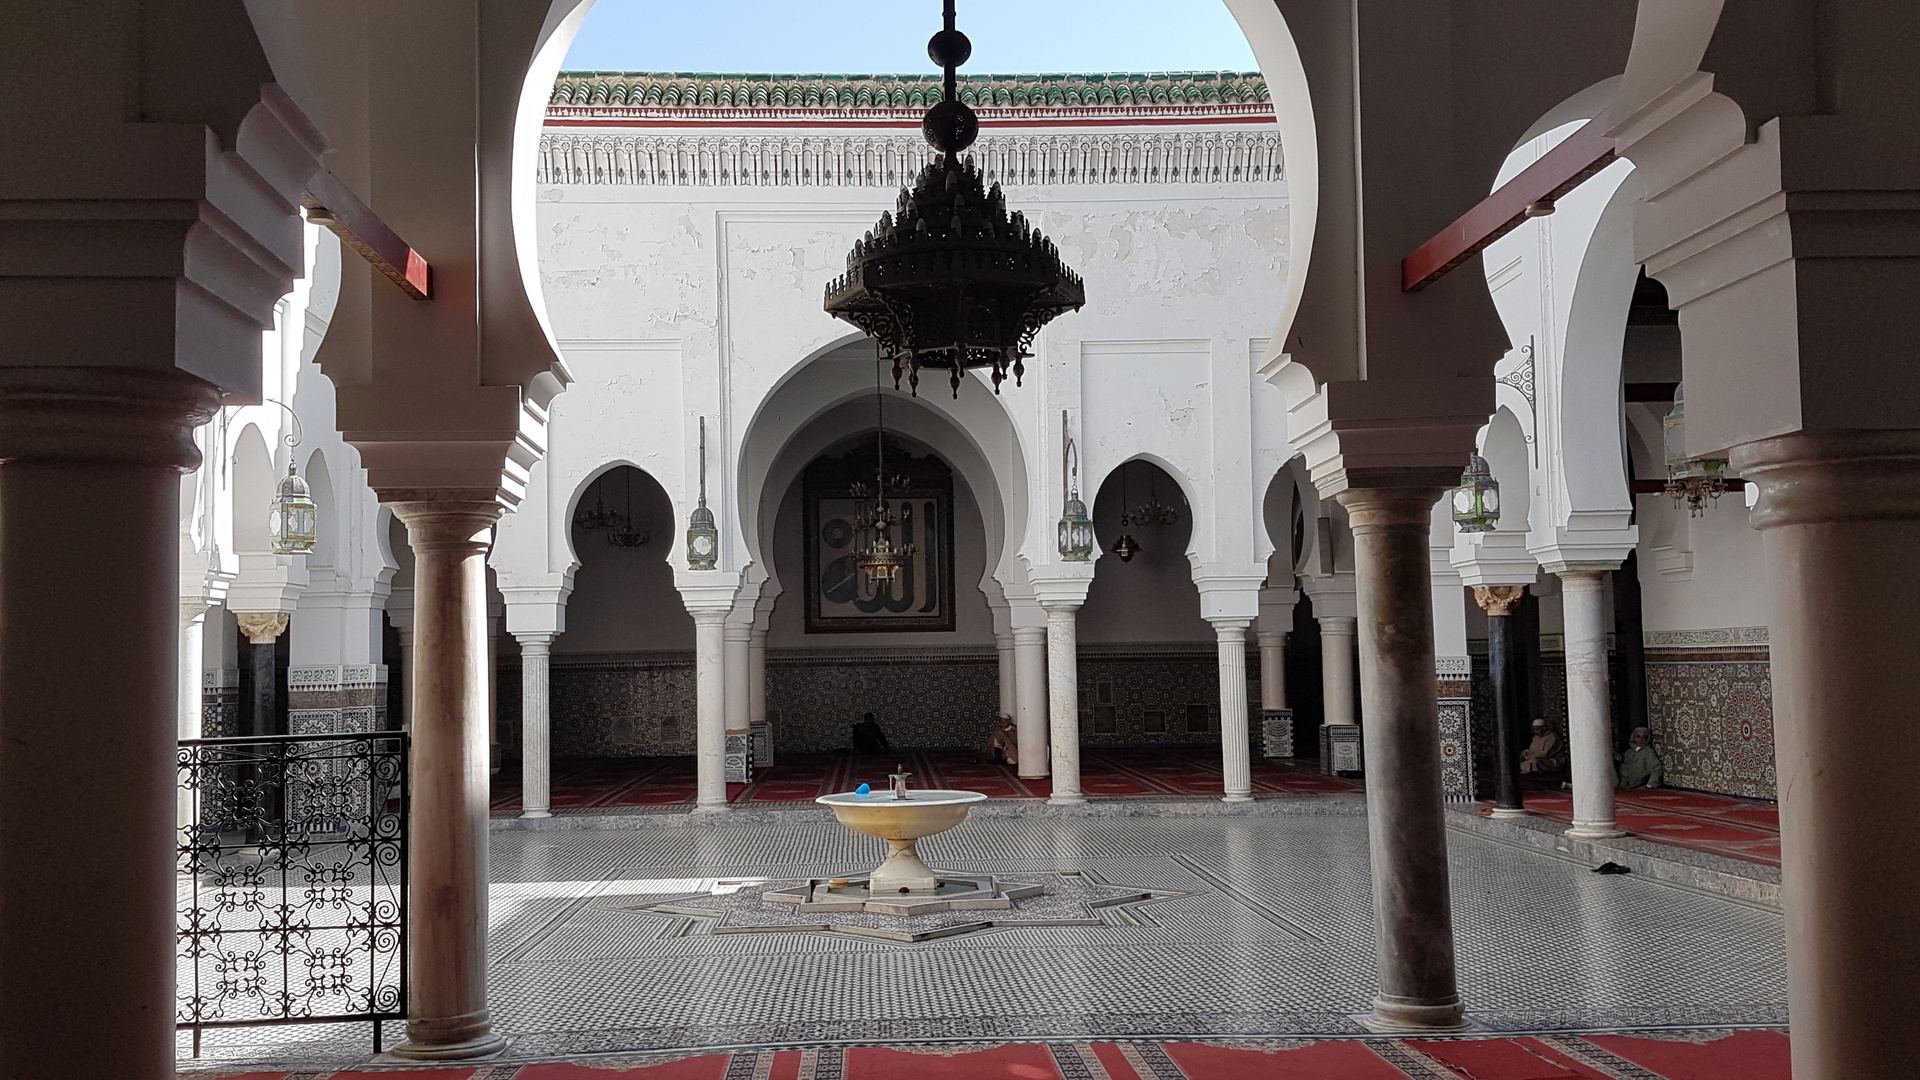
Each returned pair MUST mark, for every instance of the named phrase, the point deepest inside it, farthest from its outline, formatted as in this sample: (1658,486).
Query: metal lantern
(703,536)
(1476,502)
(1693,481)
(1125,548)
(1076,531)
(948,279)
(292,520)
(1076,528)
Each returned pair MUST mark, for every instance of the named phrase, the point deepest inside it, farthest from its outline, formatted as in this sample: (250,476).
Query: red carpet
(1722,824)
(1501,1059)
(1014,1062)
(1742,1055)
(1320,1061)
(706,1067)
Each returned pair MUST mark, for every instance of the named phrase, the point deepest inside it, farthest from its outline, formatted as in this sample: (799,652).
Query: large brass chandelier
(948,279)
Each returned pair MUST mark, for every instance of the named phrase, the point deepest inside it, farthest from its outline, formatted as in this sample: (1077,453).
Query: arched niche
(623,597)
(849,429)
(1151,598)
(329,533)
(1504,445)
(253,484)
(973,434)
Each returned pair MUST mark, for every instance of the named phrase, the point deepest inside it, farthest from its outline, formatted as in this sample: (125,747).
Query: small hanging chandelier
(703,536)
(1076,528)
(1153,512)
(1694,481)
(1125,547)
(1476,502)
(879,559)
(620,532)
(948,279)
(599,516)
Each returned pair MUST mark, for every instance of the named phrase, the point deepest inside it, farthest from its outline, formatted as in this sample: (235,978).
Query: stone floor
(1261,929)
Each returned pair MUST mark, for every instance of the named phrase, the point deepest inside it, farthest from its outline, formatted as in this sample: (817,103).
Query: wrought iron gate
(292,881)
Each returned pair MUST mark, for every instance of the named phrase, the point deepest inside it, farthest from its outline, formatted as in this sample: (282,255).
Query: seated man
(1005,746)
(868,739)
(1544,754)
(1640,766)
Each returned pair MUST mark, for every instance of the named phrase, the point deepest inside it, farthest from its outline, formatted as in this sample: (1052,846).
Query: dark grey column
(1499,601)
(1406,829)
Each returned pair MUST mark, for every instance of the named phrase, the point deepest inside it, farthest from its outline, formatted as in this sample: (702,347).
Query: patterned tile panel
(1714,724)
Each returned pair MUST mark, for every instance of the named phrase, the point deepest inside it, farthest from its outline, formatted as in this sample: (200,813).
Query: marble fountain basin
(900,822)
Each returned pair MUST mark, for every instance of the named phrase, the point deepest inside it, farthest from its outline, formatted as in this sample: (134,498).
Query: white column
(1273,670)
(1589,710)
(1336,667)
(193,623)
(1063,702)
(1235,741)
(738,642)
(1030,709)
(757,678)
(710,692)
(447,860)
(1009,698)
(536,746)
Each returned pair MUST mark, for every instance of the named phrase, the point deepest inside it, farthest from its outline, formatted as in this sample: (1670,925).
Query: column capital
(262,627)
(1231,629)
(1825,479)
(738,631)
(537,642)
(103,415)
(1498,599)
(1272,639)
(454,526)
(1029,635)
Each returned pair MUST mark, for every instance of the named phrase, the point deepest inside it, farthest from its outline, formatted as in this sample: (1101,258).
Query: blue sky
(890,36)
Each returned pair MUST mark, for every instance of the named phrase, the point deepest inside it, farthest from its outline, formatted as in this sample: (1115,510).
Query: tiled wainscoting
(642,704)
(219,702)
(1709,703)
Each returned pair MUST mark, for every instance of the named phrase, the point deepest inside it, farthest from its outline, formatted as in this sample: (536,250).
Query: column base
(1237,797)
(459,1038)
(1392,1016)
(1597,831)
(1033,775)
(1511,812)
(1066,800)
(536,813)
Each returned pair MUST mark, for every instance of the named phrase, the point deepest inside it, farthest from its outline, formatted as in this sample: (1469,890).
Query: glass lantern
(292,520)
(1476,502)
(1076,531)
(703,540)
(1125,547)
(1693,481)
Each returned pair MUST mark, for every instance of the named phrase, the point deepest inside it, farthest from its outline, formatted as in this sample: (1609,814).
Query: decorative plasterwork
(262,627)
(347,677)
(719,97)
(1695,639)
(859,159)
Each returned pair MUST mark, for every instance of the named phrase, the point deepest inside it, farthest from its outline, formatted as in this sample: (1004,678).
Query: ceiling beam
(1530,194)
(329,203)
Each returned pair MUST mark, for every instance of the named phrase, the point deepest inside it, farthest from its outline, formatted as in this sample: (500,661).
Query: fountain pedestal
(901,819)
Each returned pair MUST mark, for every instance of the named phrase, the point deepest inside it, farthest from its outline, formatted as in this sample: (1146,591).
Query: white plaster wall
(677,302)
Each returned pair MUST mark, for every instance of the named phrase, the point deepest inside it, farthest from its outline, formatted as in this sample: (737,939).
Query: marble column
(1508,703)
(262,628)
(536,742)
(1839,517)
(1236,743)
(405,634)
(1589,704)
(448,1017)
(757,678)
(89,658)
(737,640)
(1063,703)
(192,707)
(710,697)
(1030,702)
(1273,670)
(1009,697)
(1406,829)
(1336,668)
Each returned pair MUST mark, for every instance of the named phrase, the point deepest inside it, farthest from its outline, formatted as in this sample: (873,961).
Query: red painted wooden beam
(329,203)
(1558,171)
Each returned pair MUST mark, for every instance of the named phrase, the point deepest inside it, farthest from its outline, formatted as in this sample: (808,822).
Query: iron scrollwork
(293,865)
